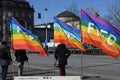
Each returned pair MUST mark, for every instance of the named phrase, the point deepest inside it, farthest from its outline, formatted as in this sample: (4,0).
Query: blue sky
(57,6)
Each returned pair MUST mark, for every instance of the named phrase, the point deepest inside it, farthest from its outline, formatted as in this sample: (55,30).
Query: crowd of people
(6,59)
(61,55)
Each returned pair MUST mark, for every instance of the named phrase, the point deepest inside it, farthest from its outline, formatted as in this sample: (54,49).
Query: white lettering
(103,31)
(113,38)
(30,36)
(90,28)
(18,29)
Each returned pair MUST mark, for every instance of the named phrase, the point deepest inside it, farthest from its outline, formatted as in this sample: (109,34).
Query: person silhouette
(5,58)
(62,54)
(21,57)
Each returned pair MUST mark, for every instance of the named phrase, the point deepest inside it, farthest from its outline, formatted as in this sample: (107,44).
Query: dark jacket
(62,54)
(6,58)
(21,55)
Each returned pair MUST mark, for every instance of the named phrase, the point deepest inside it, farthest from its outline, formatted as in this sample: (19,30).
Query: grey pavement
(90,67)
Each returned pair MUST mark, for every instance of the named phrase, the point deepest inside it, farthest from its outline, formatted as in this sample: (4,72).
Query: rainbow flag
(63,33)
(24,39)
(100,33)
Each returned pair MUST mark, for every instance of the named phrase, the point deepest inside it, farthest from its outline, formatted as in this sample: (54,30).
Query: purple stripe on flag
(101,21)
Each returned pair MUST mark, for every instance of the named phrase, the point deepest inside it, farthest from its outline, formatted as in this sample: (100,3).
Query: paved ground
(91,67)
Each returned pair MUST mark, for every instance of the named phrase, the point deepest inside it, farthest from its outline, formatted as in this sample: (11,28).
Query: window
(30,15)
(17,14)
(23,14)
(30,28)
(8,26)
(9,14)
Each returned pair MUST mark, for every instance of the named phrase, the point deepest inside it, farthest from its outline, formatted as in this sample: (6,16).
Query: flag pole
(12,64)
(81,68)
(54,60)
(12,51)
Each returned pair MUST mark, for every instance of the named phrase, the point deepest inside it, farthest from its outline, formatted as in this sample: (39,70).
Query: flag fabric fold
(100,33)
(21,38)
(64,33)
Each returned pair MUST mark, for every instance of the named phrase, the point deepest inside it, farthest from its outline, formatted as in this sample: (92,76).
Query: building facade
(21,10)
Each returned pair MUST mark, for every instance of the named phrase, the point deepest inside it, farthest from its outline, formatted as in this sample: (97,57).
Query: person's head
(4,43)
(61,46)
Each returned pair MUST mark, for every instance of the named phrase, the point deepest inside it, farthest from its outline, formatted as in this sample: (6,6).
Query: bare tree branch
(114,14)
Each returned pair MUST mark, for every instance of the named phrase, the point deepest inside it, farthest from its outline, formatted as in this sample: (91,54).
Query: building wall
(40,31)
(21,10)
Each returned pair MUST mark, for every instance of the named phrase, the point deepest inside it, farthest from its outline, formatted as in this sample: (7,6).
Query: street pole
(46,40)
